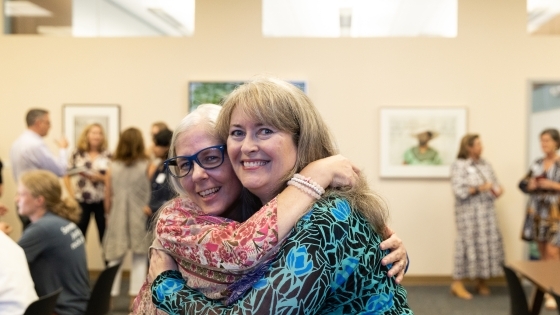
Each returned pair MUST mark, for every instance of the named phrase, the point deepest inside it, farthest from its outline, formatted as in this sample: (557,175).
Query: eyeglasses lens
(208,159)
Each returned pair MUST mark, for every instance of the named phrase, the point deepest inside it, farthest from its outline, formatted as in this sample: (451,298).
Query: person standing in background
(91,159)
(154,129)
(542,183)
(479,252)
(30,152)
(127,193)
(161,187)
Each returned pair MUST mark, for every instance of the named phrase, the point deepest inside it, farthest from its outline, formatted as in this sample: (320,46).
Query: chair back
(100,299)
(44,305)
(517,299)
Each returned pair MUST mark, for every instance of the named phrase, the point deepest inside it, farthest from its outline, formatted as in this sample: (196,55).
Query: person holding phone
(479,252)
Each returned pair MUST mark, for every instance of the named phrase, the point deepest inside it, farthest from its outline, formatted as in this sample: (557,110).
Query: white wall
(486,69)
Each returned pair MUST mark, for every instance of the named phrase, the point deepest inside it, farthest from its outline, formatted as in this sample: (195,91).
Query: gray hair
(205,116)
(33,115)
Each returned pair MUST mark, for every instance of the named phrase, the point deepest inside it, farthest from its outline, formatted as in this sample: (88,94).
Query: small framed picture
(213,92)
(420,142)
(76,117)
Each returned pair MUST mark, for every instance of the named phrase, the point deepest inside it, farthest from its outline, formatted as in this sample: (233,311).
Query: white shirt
(17,289)
(30,152)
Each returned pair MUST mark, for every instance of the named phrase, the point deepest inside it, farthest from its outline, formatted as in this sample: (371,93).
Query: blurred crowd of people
(97,182)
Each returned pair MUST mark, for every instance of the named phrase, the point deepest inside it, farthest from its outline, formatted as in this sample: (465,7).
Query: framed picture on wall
(420,142)
(75,117)
(213,92)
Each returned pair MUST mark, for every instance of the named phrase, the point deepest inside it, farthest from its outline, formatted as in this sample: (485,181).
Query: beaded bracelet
(307,185)
(311,183)
(305,189)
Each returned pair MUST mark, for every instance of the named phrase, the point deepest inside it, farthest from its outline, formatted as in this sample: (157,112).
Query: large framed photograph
(420,142)
(213,92)
(75,117)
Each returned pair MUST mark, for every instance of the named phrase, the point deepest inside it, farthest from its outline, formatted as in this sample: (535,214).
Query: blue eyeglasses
(208,158)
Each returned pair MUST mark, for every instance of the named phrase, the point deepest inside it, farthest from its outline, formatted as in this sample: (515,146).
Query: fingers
(393,242)
(398,270)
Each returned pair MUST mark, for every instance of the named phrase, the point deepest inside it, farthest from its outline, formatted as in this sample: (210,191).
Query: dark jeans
(98,210)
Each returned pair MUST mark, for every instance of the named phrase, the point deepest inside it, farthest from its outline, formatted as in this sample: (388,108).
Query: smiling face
(95,137)
(476,149)
(261,155)
(548,145)
(214,190)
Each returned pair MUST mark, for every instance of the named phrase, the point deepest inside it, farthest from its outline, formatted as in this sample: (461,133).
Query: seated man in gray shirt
(53,245)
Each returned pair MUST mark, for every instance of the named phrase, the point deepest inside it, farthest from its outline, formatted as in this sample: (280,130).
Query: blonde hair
(205,116)
(466,142)
(83,143)
(47,185)
(130,147)
(282,105)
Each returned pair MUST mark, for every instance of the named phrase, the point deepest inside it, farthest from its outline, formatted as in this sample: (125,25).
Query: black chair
(517,299)
(44,305)
(100,299)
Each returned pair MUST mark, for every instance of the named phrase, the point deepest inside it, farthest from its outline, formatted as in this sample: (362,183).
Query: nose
(198,173)
(249,145)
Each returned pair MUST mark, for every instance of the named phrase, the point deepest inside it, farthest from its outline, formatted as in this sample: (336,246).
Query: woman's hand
(397,256)
(532,184)
(94,176)
(545,183)
(334,171)
(485,187)
(160,262)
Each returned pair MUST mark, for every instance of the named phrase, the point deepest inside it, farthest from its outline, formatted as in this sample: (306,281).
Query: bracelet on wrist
(306,185)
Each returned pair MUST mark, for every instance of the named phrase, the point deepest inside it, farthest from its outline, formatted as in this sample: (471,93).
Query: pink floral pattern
(212,252)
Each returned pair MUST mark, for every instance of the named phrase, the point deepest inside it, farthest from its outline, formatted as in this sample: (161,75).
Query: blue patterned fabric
(331,264)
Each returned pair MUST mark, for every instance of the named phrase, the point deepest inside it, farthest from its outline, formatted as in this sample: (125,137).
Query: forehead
(195,139)
(242,116)
(21,188)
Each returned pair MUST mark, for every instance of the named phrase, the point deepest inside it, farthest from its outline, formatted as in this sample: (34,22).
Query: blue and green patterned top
(330,264)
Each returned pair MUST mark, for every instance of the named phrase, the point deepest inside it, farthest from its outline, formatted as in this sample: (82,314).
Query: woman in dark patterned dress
(87,187)
(332,262)
(479,252)
(542,183)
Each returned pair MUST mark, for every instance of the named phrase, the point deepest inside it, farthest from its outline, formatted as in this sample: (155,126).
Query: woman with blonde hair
(479,252)
(88,165)
(53,238)
(127,192)
(331,261)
